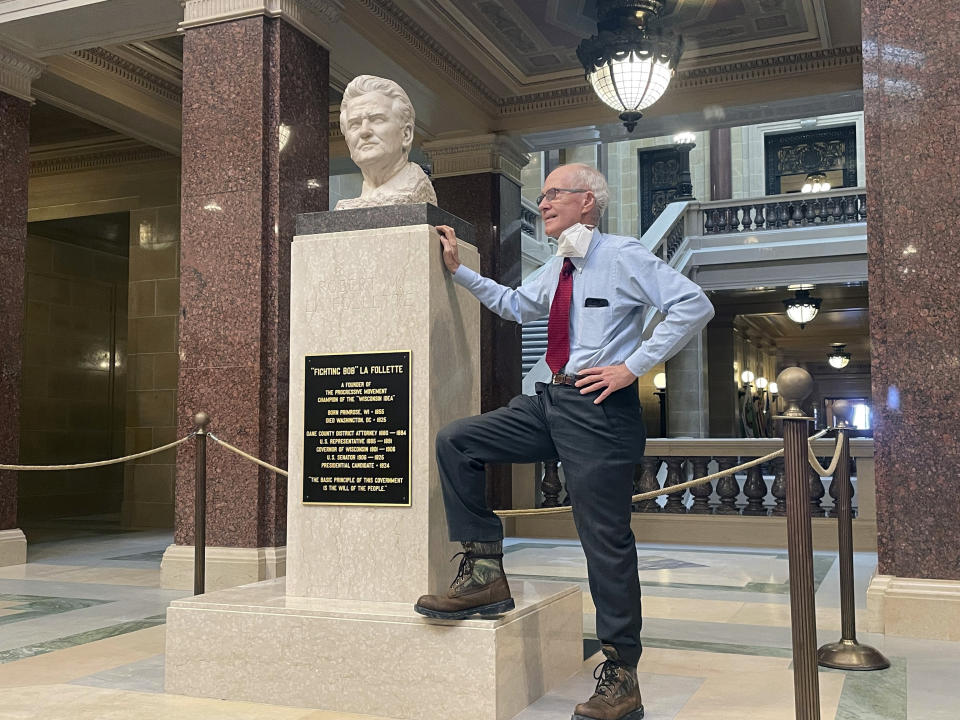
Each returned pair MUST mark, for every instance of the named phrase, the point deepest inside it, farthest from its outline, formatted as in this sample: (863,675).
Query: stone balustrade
(758,491)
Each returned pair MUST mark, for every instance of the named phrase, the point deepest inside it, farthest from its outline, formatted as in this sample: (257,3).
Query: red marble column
(491,202)
(721,166)
(911,85)
(248,85)
(14,170)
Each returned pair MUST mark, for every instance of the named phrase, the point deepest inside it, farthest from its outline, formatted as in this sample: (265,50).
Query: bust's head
(376,118)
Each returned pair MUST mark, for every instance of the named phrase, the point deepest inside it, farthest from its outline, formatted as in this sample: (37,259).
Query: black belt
(561,379)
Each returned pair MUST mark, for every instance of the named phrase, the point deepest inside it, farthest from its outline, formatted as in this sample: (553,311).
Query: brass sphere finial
(202,420)
(795,385)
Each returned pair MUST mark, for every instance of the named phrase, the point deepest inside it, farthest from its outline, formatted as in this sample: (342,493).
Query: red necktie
(558,327)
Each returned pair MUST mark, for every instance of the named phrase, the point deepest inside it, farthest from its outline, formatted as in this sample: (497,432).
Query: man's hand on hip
(451,256)
(608,378)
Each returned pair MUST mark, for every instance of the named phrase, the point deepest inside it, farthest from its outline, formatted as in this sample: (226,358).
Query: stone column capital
(490,153)
(312,17)
(17,72)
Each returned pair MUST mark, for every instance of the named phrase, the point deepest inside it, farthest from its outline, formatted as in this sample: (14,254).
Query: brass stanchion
(200,503)
(847,654)
(795,384)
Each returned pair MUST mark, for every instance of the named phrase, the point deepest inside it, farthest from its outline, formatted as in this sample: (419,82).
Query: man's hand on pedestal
(451,256)
(608,378)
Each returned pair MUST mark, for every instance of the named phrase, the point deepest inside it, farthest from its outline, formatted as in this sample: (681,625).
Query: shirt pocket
(594,324)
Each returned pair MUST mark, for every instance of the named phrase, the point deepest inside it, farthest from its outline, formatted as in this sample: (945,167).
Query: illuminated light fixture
(774,390)
(838,358)
(630,62)
(761,383)
(802,308)
(747,377)
(660,383)
(814,183)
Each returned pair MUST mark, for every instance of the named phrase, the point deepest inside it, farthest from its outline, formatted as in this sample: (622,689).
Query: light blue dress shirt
(614,284)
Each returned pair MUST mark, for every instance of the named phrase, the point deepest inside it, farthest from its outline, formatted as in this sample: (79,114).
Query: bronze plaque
(356,421)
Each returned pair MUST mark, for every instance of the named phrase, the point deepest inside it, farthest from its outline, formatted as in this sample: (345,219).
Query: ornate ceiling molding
(310,16)
(72,158)
(130,72)
(491,153)
(17,72)
(769,67)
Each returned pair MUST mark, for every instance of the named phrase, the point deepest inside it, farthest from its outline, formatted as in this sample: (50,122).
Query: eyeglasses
(551,194)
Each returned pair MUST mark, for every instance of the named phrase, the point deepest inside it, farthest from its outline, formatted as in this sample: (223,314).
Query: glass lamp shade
(660,381)
(761,382)
(632,82)
(747,376)
(838,358)
(685,138)
(630,61)
(774,390)
(802,308)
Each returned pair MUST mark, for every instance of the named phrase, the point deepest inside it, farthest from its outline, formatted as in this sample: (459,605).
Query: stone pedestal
(259,644)
(339,633)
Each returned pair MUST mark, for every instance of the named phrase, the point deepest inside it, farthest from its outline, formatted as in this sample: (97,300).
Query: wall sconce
(746,377)
(761,383)
(838,358)
(660,383)
(802,308)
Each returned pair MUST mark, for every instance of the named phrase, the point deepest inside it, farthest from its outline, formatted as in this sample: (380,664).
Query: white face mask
(574,241)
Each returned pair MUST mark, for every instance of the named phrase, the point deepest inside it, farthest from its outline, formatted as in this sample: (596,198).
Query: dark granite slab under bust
(383,217)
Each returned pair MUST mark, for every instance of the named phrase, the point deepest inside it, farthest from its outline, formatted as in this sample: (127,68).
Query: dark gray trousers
(598,446)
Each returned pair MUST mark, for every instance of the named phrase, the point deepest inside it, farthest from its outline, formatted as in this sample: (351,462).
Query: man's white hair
(363,84)
(589,178)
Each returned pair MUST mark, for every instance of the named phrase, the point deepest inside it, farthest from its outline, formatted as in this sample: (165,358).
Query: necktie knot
(567,268)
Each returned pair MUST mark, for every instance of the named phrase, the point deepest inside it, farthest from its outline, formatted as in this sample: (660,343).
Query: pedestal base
(226,567)
(13,547)
(255,643)
(914,607)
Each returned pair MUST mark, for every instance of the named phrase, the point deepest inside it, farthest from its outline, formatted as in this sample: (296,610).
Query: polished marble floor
(82,636)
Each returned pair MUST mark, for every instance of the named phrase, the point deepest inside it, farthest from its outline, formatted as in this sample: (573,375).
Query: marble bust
(376,118)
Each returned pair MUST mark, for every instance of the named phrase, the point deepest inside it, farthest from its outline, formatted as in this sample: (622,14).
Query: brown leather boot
(480,587)
(617,696)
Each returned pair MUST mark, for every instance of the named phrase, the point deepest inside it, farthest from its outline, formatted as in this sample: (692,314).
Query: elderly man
(377,119)
(596,293)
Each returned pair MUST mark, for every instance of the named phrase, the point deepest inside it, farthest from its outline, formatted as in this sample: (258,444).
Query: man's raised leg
(516,433)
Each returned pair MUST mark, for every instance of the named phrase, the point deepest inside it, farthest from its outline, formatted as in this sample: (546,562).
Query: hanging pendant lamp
(802,308)
(838,358)
(630,61)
